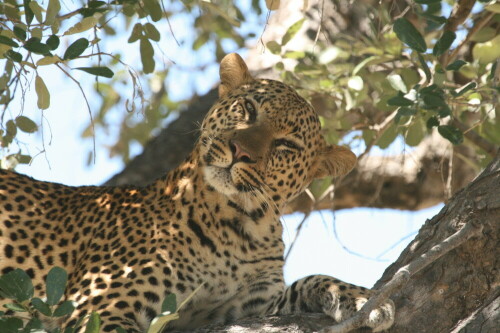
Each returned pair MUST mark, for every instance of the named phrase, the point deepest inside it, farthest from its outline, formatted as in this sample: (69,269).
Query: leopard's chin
(220,178)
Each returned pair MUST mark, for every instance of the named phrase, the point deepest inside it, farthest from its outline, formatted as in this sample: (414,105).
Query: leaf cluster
(36,34)
(17,286)
(405,79)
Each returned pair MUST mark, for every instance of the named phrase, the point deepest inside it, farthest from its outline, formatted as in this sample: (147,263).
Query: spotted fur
(213,221)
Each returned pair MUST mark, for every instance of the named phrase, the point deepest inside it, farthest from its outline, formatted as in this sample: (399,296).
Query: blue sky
(368,232)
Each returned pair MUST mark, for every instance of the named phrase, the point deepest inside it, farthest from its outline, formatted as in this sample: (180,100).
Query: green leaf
(456,65)
(274,47)
(98,71)
(432,122)
(415,133)
(292,31)
(427,71)
(136,33)
(43,101)
(433,100)
(76,49)
(404,112)
(169,304)
(48,60)
(433,18)
(399,100)
(444,43)
(469,86)
(273,4)
(52,42)
(493,71)
(8,41)
(94,323)
(23,159)
(487,52)
(65,308)
(14,56)
(427,2)
(55,284)
(37,10)
(147,53)
(201,40)
(16,284)
(295,55)
(397,83)
(28,12)
(151,32)
(11,131)
(355,83)
(34,325)
(11,325)
(16,307)
(19,32)
(52,11)
(41,306)
(451,133)
(495,8)
(153,9)
(387,137)
(36,46)
(409,35)
(25,124)
(86,24)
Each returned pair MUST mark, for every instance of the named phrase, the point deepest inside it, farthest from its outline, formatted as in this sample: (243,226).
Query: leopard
(211,225)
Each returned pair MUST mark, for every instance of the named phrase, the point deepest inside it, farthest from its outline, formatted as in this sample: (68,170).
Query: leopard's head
(261,139)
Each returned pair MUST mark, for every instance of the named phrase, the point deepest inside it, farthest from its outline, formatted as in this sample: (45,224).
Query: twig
(380,129)
(297,232)
(381,254)
(475,138)
(70,14)
(478,26)
(88,105)
(346,248)
(261,38)
(459,14)
(404,274)
(321,14)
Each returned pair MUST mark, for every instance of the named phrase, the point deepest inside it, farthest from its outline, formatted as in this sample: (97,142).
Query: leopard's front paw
(382,317)
(343,300)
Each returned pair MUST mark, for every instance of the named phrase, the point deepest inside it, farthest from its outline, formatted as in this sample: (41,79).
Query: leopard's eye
(250,110)
(287,144)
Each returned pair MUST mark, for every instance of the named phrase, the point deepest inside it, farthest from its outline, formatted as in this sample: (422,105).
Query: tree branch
(470,229)
(478,140)
(459,14)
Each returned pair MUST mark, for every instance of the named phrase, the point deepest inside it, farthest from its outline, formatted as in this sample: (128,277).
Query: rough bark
(458,292)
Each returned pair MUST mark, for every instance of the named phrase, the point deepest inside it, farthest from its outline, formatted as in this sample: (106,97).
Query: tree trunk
(458,292)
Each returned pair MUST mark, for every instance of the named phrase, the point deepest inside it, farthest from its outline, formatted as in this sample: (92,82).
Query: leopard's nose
(239,154)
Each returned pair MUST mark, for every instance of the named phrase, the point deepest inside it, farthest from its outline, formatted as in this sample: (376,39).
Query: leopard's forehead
(282,107)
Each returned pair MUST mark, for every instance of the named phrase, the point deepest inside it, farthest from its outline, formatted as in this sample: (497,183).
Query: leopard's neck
(237,221)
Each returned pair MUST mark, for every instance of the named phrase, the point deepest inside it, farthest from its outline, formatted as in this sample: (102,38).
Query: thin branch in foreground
(475,138)
(88,105)
(297,232)
(402,276)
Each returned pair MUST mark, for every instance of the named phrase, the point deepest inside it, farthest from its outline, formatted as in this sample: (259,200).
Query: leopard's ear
(334,161)
(233,73)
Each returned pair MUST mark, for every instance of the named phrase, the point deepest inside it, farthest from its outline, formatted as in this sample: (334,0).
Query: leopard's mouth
(220,178)
(224,179)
